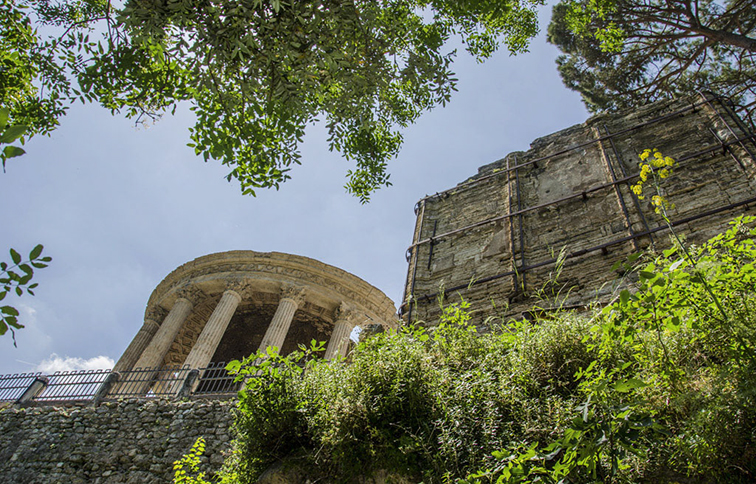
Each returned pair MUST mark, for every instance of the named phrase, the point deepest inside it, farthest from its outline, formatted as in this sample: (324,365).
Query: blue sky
(119,207)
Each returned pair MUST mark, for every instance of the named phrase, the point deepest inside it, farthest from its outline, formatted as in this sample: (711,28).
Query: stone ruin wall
(492,239)
(131,441)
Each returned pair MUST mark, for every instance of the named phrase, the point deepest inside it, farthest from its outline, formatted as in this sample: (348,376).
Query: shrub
(658,386)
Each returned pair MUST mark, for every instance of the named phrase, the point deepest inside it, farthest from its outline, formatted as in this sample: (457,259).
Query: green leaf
(627,385)
(233,366)
(12,133)
(36,252)
(15,256)
(13,151)
(10,310)
(4,114)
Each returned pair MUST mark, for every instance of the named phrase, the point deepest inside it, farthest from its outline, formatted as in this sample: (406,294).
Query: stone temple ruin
(563,208)
(226,306)
(495,240)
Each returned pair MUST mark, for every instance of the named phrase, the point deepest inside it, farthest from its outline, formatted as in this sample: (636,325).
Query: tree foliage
(624,53)
(257,72)
(35,68)
(15,278)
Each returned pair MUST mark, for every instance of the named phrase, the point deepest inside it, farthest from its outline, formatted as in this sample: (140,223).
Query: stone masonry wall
(492,240)
(131,441)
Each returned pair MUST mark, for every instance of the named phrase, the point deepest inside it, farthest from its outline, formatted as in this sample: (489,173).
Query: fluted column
(291,298)
(141,340)
(204,349)
(154,354)
(342,329)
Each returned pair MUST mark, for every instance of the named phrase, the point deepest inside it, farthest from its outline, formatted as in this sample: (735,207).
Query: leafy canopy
(35,70)
(620,54)
(258,72)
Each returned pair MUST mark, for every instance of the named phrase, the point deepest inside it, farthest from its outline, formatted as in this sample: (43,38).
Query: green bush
(658,386)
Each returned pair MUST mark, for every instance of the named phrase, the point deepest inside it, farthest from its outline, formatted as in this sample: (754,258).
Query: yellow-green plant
(186,469)
(657,168)
(652,172)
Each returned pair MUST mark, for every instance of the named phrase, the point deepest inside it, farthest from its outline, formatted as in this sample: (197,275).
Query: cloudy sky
(119,207)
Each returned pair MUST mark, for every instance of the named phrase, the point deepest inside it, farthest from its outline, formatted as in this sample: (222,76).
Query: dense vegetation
(256,73)
(657,386)
(623,54)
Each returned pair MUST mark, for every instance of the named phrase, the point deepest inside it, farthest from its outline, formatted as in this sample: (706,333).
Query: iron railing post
(105,387)
(189,383)
(37,386)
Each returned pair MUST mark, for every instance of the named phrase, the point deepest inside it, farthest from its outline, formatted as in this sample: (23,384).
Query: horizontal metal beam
(572,255)
(583,194)
(658,119)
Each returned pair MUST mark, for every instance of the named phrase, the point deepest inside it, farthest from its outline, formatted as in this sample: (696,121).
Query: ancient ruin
(495,240)
(226,306)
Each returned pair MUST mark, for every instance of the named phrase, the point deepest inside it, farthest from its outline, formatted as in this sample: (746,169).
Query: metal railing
(72,385)
(13,386)
(98,385)
(215,380)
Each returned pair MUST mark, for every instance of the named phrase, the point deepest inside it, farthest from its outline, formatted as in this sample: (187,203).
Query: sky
(119,207)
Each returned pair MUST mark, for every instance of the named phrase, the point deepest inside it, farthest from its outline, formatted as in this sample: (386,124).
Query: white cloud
(67,363)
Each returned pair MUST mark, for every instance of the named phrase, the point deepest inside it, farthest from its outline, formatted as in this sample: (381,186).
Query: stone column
(291,298)
(207,342)
(141,340)
(154,354)
(339,343)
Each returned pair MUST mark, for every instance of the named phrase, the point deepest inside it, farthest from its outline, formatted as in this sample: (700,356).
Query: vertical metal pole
(741,124)
(624,175)
(617,190)
(515,284)
(410,298)
(729,128)
(726,148)
(519,217)
(727,125)
(432,243)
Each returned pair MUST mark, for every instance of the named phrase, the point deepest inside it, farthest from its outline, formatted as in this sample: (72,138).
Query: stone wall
(131,441)
(494,238)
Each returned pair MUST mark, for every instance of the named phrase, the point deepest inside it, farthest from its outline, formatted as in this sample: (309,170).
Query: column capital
(293,292)
(345,313)
(191,294)
(240,287)
(151,324)
(155,314)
